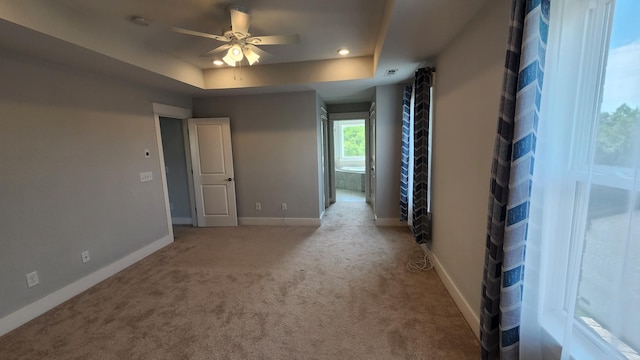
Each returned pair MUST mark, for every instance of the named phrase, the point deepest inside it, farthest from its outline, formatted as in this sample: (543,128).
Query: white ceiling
(382,34)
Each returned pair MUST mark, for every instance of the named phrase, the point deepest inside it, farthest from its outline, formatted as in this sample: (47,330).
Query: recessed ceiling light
(343,52)
(139,20)
(217,62)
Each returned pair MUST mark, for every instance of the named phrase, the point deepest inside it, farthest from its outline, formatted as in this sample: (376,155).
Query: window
(350,145)
(591,200)
(353,140)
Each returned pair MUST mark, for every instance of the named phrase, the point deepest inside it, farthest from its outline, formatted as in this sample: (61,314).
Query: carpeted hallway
(340,291)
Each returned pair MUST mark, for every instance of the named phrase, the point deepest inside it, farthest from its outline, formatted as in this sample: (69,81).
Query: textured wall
(467,88)
(275,151)
(388,149)
(71,150)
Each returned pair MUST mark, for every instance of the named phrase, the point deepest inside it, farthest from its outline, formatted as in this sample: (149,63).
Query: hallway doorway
(349,162)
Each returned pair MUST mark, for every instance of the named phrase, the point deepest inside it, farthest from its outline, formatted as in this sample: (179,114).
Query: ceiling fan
(239,42)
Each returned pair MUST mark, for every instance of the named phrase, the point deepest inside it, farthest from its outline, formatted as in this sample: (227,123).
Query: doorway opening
(176,170)
(350,160)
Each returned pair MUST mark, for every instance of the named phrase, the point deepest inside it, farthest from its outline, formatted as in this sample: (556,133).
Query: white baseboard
(389,222)
(279,221)
(467,311)
(181,221)
(39,307)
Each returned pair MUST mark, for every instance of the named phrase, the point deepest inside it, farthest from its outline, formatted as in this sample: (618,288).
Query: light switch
(146,176)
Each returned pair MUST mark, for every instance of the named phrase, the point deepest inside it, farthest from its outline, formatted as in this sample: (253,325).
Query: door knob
(229,179)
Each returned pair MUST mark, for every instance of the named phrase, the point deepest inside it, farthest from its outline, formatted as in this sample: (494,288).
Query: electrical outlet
(85,257)
(258,206)
(32,279)
(284,206)
(146,176)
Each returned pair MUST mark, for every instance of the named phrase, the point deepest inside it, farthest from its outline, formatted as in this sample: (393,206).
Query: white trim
(171,111)
(181,221)
(389,222)
(467,311)
(39,307)
(279,221)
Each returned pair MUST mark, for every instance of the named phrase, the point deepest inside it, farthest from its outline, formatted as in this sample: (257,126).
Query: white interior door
(213,179)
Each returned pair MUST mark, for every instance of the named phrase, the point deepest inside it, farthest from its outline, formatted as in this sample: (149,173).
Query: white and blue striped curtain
(511,179)
(406,159)
(416,189)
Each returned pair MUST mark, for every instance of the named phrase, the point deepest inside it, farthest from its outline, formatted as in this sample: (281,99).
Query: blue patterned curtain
(406,141)
(511,176)
(422,103)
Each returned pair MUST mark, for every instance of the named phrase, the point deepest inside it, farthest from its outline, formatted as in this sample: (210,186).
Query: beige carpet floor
(340,291)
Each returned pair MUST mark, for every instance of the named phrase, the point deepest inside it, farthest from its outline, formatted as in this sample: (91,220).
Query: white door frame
(173,112)
(372,166)
(357,115)
(324,127)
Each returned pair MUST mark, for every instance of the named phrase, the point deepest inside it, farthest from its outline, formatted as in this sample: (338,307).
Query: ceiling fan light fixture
(218,62)
(238,41)
(235,52)
(251,56)
(343,52)
(229,60)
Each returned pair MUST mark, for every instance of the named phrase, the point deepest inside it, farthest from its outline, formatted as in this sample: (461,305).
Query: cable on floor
(423,264)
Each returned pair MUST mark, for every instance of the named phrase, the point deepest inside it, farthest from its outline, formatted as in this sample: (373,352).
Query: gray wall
(176,164)
(275,151)
(468,82)
(71,150)
(388,150)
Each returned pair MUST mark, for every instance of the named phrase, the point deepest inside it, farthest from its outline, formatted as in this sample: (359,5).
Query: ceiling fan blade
(274,39)
(239,23)
(258,51)
(218,49)
(201,34)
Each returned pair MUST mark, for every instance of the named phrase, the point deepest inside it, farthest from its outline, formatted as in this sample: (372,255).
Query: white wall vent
(390,72)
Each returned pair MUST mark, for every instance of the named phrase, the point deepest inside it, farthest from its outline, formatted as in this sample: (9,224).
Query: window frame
(590,21)
(341,125)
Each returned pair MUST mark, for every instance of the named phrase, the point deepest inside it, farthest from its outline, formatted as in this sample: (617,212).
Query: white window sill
(586,344)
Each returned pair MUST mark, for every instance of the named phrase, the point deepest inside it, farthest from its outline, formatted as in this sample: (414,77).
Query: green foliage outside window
(353,140)
(616,132)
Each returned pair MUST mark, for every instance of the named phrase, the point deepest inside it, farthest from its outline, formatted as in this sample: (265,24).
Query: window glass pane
(608,297)
(353,137)
(616,136)
(609,286)
(619,113)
